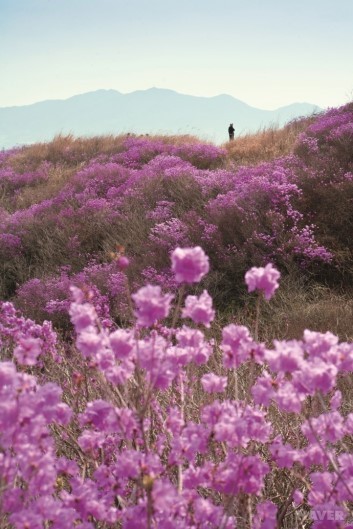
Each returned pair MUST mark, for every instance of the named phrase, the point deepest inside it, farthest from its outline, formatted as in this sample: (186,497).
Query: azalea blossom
(265,279)
(189,265)
(199,309)
(213,383)
(27,351)
(151,305)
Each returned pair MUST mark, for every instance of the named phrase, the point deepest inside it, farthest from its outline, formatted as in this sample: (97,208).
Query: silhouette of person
(231,130)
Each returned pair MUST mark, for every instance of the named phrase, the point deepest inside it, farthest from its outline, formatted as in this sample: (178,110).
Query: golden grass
(296,307)
(71,150)
(66,149)
(57,178)
(266,144)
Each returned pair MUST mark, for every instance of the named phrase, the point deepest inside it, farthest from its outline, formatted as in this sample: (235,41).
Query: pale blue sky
(268,53)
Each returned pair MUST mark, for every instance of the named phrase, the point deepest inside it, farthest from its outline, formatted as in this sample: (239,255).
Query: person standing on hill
(231,130)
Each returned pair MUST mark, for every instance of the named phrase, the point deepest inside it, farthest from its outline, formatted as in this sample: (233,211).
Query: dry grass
(296,307)
(176,139)
(71,150)
(57,178)
(267,144)
(67,154)
(66,149)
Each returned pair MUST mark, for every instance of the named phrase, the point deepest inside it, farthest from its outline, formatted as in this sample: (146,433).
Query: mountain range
(152,111)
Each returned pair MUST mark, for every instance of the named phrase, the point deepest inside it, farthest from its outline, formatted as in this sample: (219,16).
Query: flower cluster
(70,206)
(30,339)
(147,438)
(189,264)
(265,279)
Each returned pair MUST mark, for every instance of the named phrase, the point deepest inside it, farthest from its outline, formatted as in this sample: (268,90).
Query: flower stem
(182,405)
(257,318)
(178,306)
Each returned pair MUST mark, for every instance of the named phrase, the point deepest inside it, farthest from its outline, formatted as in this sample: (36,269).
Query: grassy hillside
(154,405)
(282,196)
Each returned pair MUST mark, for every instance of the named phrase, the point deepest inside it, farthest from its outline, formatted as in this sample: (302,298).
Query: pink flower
(283,454)
(199,309)
(123,262)
(189,264)
(322,345)
(164,495)
(121,342)
(239,473)
(315,375)
(194,345)
(322,485)
(89,343)
(151,305)
(265,517)
(237,345)
(287,398)
(213,383)
(336,400)
(193,440)
(207,514)
(328,427)
(263,390)
(83,316)
(28,350)
(265,279)
(298,497)
(286,356)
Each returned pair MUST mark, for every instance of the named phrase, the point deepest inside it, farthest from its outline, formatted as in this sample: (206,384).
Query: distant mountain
(152,111)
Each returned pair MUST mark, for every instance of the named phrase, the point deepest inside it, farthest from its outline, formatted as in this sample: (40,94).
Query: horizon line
(162,89)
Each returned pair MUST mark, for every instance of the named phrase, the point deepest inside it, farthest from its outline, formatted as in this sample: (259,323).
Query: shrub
(159,426)
(152,193)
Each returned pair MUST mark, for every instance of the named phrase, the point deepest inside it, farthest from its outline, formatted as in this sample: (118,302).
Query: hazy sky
(267,53)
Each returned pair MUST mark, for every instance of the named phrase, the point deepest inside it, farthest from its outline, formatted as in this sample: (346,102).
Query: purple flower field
(132,393)
(64,211)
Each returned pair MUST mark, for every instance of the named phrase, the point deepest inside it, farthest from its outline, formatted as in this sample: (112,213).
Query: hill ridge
(153,111)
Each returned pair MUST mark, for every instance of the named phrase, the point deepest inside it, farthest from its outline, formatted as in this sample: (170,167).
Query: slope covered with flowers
(159,426)
(67,205)
(138,405)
